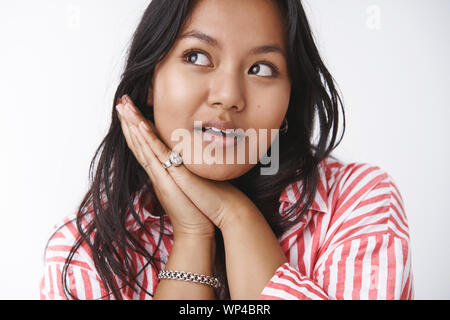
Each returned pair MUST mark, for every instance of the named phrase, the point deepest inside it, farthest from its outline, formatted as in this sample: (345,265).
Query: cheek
(173,89)
(170,129)
(270,105)
(270,116)
(175,98)
(170,95)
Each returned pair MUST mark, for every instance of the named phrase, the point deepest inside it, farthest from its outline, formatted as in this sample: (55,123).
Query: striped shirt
(353,243)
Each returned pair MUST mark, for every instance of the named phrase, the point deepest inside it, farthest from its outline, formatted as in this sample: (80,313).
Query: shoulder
(62,240)
(81,277)
(351,176)
(363,199)
(342,186)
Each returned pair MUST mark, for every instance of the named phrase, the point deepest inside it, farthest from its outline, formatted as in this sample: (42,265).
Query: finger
(150,162)
(131,112)
(141,158)
(133,143)
(165,181)
(154,151)
(171,196)
(135,146)
(130,116)
(160,149)
(133,117)
(205,195)
(192,185)
(126,132)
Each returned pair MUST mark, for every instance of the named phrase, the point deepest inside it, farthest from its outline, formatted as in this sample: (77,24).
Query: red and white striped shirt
(353,243)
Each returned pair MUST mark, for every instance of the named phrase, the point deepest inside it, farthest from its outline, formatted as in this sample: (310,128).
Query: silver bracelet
(189,276)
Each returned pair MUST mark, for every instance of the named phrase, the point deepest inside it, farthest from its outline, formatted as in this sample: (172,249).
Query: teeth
(215,129)
(226,132)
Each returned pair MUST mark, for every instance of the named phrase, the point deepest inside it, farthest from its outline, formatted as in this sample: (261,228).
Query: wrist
(239,217)
(195,233)
(191,239)
(189,254)
(193,252)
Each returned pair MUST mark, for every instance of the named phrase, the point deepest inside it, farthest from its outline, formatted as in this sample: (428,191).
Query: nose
(226,91)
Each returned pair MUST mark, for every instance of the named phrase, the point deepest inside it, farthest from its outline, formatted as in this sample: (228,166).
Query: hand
(219,201)
(185,217)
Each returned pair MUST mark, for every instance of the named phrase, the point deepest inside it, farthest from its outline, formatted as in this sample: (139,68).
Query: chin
(219,172)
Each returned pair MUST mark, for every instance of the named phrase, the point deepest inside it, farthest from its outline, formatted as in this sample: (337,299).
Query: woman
(316,228)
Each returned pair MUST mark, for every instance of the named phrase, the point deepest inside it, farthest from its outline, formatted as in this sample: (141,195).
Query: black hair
(119,177)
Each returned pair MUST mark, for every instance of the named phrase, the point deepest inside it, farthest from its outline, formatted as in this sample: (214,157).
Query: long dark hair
(119,177)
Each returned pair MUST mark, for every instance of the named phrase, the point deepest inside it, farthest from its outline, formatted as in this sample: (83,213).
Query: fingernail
(119,109)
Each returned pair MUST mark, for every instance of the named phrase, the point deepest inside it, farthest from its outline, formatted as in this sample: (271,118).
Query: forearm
(188,254)
(253,253)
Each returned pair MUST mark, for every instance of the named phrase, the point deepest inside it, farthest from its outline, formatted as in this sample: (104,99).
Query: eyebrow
(268,48)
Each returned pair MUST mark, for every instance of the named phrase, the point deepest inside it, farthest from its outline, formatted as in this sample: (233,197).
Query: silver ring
(167,164)
(174,159)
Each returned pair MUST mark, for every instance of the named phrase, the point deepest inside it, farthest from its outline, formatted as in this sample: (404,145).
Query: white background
(60,63)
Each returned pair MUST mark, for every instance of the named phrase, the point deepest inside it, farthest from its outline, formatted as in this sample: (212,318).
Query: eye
(270,71)
(194,56)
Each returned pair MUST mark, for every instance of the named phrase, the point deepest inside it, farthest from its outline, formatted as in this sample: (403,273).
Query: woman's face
(214,73)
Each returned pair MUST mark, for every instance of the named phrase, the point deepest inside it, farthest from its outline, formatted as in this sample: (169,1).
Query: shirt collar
(291,194)
(144,205)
